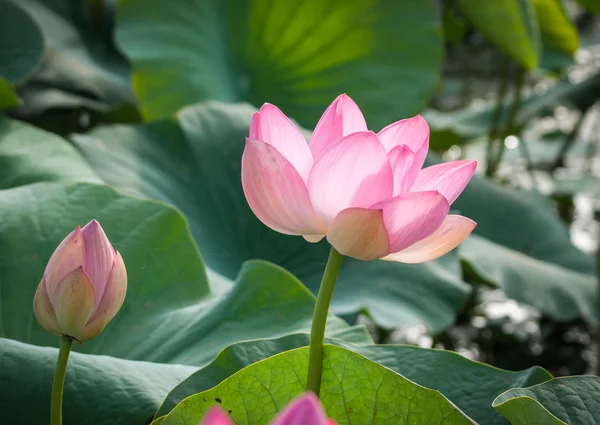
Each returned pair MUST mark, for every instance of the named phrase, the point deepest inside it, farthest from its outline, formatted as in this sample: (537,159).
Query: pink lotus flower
(83,287)
(366,192)
(304,410)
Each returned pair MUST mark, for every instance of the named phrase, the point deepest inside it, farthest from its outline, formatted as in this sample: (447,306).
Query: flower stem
(570,140)
(498,112)
(508,127)
(59,381)
(319,321)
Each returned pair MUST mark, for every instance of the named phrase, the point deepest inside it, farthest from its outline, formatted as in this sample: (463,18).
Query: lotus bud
(83,286)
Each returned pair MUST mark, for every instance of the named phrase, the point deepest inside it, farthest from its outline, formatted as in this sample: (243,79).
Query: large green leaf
(451,374)
(556,29)
(561,293)
(298,54)
(470,385)
(28,155)
(395,294)
(82,69)
(523,221)
(194,161)
(99,390)
(21,50)
(266,301)
(507,25)
(234,358)
(571,400)
(354,390)
(524,249)
(21,44)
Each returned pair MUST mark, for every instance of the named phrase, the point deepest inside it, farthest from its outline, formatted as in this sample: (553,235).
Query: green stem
(59,381)
(559,161)
(466,89)
(526,155)
(591,147)
(319,321)
(512,114)
(497,114)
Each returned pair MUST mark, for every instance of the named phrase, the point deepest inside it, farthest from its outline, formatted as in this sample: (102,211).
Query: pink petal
(359,233)
(413,216)
(276,192)
(112,300)
(353,172)
(449,178)
(69,255)
(402,160)
(99,256)
(412,132)
(453,231)
(216,416)
(271,126)
(304,410)
(73,302)
(342,117)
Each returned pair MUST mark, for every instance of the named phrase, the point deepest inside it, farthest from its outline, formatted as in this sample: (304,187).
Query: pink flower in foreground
(304,410)
(366,192)
(83,287)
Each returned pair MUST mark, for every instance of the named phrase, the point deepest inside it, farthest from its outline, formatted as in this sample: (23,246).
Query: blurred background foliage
(514,84)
